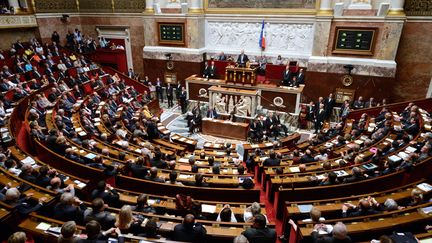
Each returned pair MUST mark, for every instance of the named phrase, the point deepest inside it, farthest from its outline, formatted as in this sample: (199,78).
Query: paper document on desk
(424,187)
(43,226)
(28,160)
(305,208)
(295,169)
(208,208)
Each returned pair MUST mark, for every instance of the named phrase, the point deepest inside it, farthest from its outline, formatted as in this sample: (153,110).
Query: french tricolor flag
(262,41)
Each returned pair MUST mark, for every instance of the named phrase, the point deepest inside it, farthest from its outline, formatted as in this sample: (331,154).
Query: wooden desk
(226,129)
(240,75)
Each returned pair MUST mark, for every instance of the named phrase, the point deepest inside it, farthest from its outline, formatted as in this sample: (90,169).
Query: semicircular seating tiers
(285,192)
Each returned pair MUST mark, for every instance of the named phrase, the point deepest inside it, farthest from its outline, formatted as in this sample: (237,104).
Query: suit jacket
(194,234)
(317,238)
(300,78)
(271,162)
(105,219)
(170,92)
(242,59)
(265,235)
(138,171)
(68,212)
(212,71)
(287,76)
(109,198)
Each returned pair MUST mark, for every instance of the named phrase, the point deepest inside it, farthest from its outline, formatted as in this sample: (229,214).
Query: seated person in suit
(272,160)
(189,231)
(242,59)
(365,207)
(287,76)
(222,57)
(97,212)
(259,232)
(153,175)
(23,205)
(106,192)
(339,234)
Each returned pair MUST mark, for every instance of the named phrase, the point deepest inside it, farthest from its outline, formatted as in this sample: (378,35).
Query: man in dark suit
(287,76)
(319,119)
(22,205)
(67,208)
(212,70)
(98,213)
(371,103)
(329,104)
(137,169)
(363,208)
(357,175)
(178,91)
(157,161)
(339,234)
(189,231)
(159,90)
(107,193)
(359,103)
(259,232)
(170,95)
(153,176)
(272,160)
(211,113)
(195,122)
(254,133)
(242,59)
(222,57)
(300,77)
(412,128)
(183,100)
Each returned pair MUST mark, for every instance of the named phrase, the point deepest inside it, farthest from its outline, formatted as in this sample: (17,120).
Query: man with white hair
(339,234)
(22,205)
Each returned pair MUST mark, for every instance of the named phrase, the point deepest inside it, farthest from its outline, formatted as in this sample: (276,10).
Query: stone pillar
(397,8)
(196,6)
(325,8)
(321,36)
(149,6)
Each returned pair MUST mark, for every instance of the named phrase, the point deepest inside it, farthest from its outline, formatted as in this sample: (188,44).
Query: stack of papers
(424,187)
(208,208)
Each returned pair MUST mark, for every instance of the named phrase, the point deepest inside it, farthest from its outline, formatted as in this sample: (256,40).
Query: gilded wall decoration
(418,7)
(95,5)
(308,4)
(55,6)
(131,6)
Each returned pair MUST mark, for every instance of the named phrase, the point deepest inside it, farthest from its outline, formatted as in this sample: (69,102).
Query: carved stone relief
(226,36)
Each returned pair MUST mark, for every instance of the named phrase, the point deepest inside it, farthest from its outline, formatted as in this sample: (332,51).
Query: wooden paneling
(157,68)
(321,84)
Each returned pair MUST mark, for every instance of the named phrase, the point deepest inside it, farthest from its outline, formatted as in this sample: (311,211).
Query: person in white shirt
(251,211)
(226,215)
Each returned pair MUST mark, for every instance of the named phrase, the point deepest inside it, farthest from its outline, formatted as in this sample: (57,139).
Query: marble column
(325,8)
(397,8)
(149,6)
(196,6)
(321,36)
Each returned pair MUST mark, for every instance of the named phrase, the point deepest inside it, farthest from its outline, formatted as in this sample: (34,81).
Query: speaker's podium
(240,75)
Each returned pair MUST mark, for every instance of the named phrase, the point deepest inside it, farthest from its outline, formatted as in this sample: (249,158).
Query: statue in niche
(243,107)
(219,103)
